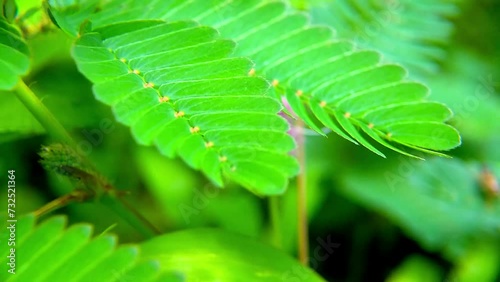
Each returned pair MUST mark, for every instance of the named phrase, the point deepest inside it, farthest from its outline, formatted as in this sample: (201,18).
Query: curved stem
(109,193)
(42,114)
(75,196)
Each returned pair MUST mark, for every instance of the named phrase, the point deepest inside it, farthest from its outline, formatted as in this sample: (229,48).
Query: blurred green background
(394,219)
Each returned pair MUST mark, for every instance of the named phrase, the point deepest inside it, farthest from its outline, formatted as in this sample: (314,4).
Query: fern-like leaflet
(50,252)
(174,84)
(348,90)
(412,33)
(155,87)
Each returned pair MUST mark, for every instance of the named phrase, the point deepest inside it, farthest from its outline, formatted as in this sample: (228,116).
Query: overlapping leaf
(412,33)
(14,55)
(214,255)
(348,90)
(174,84)
(50,252)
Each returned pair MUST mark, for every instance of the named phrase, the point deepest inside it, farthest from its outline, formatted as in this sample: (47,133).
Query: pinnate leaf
(340,84)
(175,85)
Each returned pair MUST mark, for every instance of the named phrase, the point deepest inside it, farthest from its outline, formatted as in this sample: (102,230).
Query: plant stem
(42,114)
(56,130)
(134,218)
(274,210)
(303,240)
(75,196)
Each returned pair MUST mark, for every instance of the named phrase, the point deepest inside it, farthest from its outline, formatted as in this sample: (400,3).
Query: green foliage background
(395,219)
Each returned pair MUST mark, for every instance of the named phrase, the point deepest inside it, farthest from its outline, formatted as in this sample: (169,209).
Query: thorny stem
(109,194)
(303,239)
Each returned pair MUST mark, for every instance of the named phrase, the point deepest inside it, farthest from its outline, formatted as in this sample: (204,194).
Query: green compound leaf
(52,252)
(413,33)
(174,84)
(214,255)
(350,91)
(14,58)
